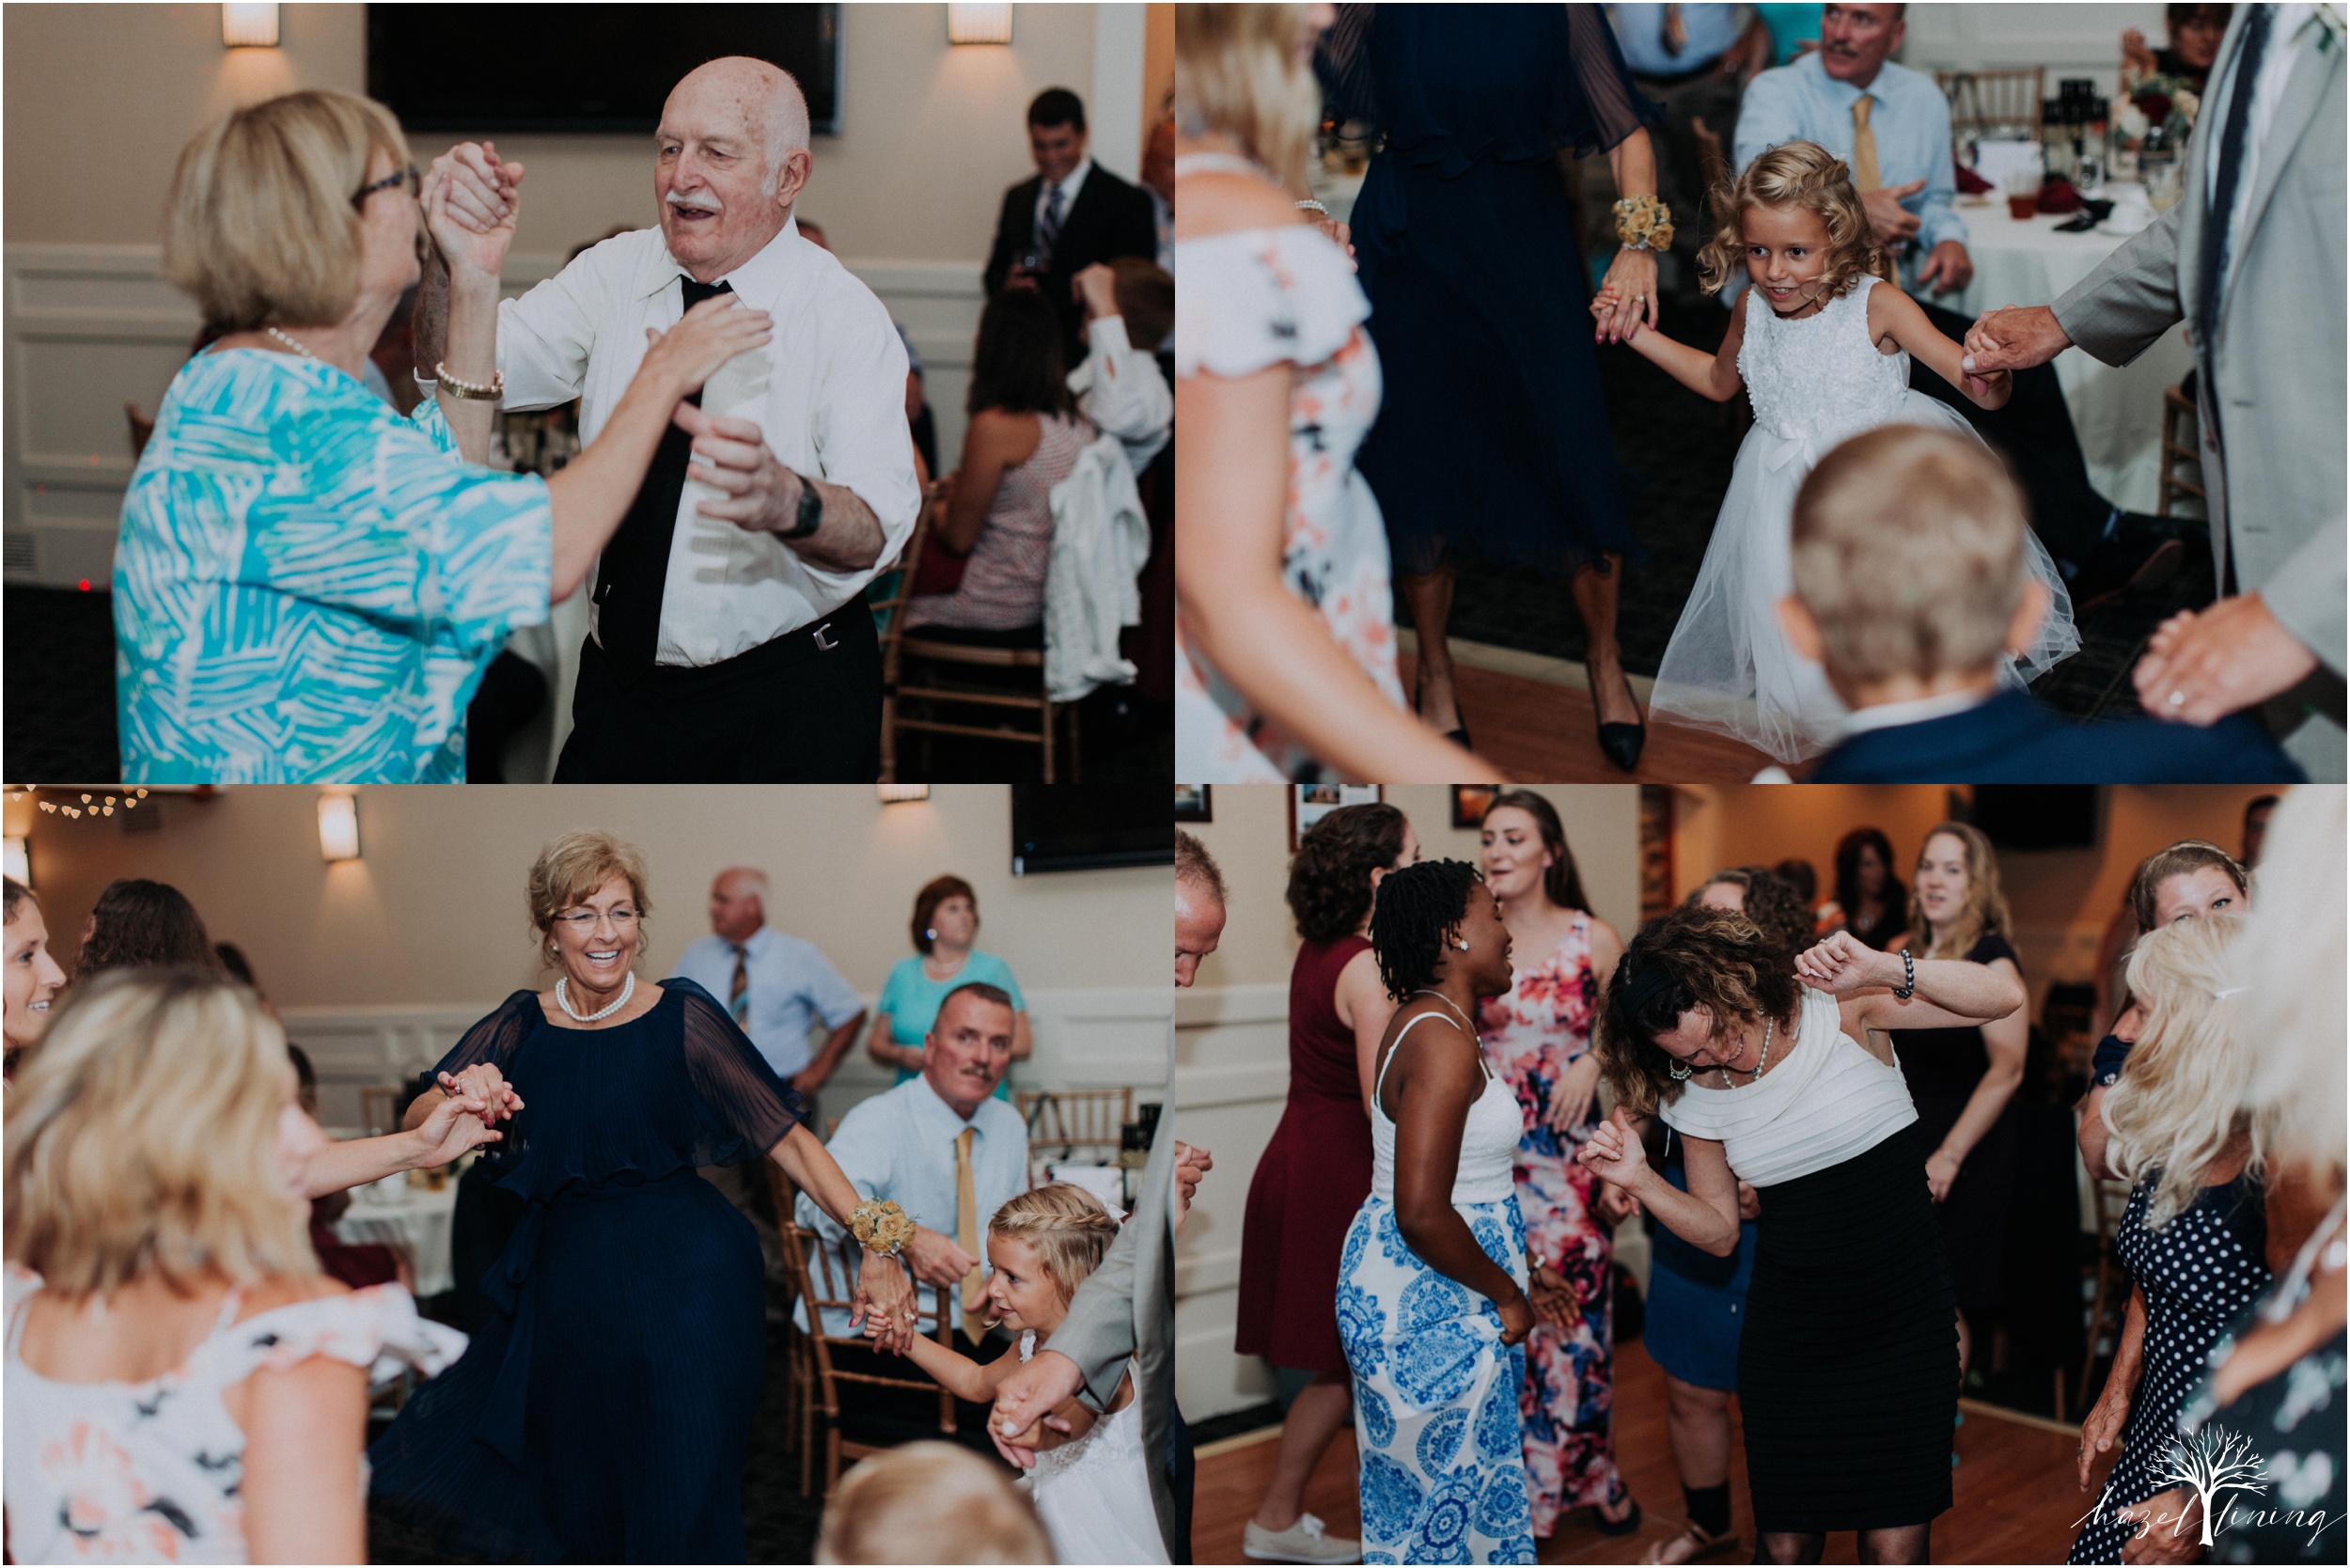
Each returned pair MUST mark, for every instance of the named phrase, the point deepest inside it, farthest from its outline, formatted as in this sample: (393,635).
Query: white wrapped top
(152,1471)
(1826,1101)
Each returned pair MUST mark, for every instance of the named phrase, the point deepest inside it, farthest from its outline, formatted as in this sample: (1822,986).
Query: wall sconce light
(979,25)
(338,826)
(894,795)
(248,27)
(16,861)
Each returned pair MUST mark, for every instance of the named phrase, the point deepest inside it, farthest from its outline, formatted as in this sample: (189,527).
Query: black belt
(843,628)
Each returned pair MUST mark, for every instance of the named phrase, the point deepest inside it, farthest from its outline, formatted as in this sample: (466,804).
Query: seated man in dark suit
(1073,214)
(1910,590)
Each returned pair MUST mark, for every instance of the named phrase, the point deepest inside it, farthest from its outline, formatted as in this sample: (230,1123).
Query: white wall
(1232,1036)
(100,98)
(2069,40)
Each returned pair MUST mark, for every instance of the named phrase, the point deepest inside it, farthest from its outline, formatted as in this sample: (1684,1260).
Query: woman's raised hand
(1844,964)
(454,1128)
(484,1091)
(714,332)
(471,199)
(885,1296)
(1614,1152)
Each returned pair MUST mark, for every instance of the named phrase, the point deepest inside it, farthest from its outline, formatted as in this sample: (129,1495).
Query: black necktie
(636,565)
(2230,170)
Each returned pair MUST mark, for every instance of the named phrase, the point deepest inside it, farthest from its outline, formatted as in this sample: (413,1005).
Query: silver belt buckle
(820,640)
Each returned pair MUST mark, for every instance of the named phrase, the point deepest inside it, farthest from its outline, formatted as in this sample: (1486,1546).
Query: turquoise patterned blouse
(307,586)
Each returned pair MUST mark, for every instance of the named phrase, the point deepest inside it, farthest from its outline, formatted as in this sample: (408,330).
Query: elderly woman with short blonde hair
(183,1383)
(307,586)
(602,1411)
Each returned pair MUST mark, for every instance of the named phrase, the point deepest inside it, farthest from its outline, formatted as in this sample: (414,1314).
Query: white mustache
(703,200)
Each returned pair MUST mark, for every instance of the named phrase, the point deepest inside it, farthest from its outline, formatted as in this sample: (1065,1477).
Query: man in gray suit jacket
(2251,258)
(1126,1307)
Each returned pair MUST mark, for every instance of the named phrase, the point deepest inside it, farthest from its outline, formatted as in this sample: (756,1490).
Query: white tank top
(1826,1102)
(1489,1139)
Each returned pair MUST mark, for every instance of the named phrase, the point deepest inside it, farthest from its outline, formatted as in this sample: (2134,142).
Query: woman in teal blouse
(946,919)
(307,586)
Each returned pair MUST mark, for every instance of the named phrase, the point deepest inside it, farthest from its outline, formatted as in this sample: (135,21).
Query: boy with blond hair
(1910,589)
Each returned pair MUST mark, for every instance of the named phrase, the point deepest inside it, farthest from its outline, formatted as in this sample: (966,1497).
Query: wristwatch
(811,515)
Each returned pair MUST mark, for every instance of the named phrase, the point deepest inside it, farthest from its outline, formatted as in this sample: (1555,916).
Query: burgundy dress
(1310,1181)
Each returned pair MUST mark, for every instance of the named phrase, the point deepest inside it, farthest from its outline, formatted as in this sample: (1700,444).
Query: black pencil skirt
(1848,1366)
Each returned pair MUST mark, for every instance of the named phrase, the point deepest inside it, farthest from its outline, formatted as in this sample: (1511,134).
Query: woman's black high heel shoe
(1458,735)
(1620,742)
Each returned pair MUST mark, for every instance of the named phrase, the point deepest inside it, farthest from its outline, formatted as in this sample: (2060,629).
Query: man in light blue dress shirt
(775,985)
(911,1145)
(2103,551)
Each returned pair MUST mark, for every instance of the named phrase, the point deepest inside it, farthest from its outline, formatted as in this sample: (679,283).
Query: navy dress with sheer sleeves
(1493,436)
(601,1411)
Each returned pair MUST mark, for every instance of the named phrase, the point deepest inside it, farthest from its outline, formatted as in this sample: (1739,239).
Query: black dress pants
(802,708)
(2034,432)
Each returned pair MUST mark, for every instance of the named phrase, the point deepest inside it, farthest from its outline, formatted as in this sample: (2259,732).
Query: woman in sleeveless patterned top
(1285,651)
(1434,1282)
(1538,1038)
(1823,348)
(1025,437)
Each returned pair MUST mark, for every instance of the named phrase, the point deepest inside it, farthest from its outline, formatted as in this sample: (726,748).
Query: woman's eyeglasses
(585,919)
(407,175)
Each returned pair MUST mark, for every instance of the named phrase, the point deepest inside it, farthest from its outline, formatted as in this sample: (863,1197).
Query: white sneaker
(1303,1542)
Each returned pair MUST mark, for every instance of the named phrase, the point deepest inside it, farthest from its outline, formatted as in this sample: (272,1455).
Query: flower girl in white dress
(1823,347)
(1092,1488)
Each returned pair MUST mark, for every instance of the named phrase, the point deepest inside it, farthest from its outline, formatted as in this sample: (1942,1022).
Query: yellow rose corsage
(1644,222)
(881,1226)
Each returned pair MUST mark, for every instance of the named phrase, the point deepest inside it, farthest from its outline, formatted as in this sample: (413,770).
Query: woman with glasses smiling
(307,586)
(602,1412)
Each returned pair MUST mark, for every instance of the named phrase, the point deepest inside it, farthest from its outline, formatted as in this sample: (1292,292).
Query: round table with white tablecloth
(2117,411)
(415,1220)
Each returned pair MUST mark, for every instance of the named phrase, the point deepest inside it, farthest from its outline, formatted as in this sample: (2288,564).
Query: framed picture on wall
(1192,804)
(1310,803)
(1470,802)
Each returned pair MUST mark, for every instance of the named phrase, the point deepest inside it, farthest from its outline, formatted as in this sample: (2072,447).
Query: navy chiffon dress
(1493,437)
(601,1411)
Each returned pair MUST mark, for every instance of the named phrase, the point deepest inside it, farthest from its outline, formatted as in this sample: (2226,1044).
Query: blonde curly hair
(2178,1106)
(1794,174)
(1065,1225)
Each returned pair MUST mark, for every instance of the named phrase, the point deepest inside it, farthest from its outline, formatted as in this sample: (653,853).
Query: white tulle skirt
(1729,669)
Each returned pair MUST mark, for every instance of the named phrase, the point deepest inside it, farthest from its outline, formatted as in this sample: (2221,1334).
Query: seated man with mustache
(729,639)
(943,1149)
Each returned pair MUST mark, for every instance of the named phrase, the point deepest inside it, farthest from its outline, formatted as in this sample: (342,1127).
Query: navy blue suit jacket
(2012,739)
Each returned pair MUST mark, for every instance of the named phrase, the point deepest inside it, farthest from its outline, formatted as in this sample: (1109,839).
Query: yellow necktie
(1864,147)
(967,1237)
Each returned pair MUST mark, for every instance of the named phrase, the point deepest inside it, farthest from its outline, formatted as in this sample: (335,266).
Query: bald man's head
(732,157)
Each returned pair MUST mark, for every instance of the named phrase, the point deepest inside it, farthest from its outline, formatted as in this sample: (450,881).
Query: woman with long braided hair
(1433,1283)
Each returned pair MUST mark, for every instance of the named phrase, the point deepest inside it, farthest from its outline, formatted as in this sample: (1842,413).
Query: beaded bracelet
(880,1226)
(471,390)
(1644,222)
(1908,987)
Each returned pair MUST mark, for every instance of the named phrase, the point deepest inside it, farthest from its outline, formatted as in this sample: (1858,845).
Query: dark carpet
(1684,446)
(57,693)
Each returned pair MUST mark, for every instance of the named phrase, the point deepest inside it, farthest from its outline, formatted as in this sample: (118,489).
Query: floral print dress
(154,1472)
(1532,1034)
(1251,300)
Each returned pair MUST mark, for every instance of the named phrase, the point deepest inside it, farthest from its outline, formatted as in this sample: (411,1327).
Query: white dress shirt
(789,984)
(1119,387)
(828,392)
(1070,185)
(899,1147)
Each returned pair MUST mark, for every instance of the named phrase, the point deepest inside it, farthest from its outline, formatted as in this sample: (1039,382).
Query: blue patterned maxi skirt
(1435,1395)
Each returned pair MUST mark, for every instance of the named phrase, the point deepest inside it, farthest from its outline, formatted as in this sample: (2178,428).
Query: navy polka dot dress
(2200,1273)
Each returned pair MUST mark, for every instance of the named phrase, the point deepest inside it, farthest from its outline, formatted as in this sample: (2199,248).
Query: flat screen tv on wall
(583,67)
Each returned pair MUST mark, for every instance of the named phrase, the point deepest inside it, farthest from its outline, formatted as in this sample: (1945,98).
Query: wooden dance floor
(1537,727)
(2013,1496)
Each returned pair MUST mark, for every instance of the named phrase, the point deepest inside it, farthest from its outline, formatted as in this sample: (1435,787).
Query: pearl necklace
(1456,1012)
(1726,1070)
(628,988)
(292,342)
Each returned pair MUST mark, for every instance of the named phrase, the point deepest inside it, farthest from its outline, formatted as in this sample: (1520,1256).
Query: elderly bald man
(728,638)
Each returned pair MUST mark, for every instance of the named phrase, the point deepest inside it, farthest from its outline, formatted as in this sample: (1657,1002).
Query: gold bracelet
(1644,222)
(880,1226)
(470,390)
